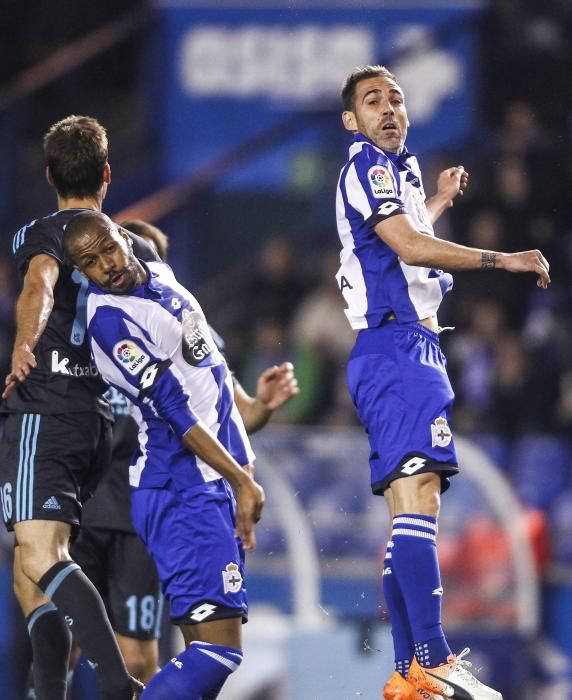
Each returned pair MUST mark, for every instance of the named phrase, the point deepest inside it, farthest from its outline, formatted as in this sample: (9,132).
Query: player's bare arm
(275,386)
(249,495)
(450,184)
(415,248)
(33,309)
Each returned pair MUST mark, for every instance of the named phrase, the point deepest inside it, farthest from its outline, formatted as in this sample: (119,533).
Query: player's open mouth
(390,125)
(117,279)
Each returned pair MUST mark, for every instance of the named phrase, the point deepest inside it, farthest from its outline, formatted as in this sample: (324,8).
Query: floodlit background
(224,128)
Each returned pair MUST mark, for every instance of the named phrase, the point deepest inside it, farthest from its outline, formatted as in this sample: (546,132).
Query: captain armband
(385,210)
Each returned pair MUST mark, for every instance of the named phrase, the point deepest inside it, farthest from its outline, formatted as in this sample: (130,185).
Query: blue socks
(416,568)
(199,671)
(400,628)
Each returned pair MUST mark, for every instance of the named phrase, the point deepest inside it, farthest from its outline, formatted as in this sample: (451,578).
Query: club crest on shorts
(441,434)
(130,356)
(380,182)
(232,578)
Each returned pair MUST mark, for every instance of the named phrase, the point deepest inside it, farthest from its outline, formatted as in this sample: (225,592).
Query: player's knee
(428,494)
(34,562)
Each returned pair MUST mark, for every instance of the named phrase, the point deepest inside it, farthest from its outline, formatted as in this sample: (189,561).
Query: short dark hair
(149,233)
(362,73)
(76,152)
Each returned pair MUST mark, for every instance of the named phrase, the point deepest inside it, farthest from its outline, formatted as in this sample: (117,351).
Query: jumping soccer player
(392,280)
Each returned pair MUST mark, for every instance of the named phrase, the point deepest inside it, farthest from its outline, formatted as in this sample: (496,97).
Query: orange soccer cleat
(397,688)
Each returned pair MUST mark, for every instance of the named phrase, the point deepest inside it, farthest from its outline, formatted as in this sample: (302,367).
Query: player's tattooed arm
(488,260)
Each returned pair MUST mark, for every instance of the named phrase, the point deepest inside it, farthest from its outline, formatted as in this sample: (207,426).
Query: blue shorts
(398,381)
(189,532)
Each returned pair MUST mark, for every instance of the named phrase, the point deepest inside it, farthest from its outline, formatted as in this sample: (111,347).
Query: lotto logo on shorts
(130,356)
(232,578)
(380,182)
(441,434)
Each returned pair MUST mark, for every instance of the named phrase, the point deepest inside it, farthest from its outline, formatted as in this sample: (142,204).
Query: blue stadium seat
(540,468)
(560,519)
(496,447)
(270,539)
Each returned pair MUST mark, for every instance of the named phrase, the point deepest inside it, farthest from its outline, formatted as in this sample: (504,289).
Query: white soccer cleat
(452,680)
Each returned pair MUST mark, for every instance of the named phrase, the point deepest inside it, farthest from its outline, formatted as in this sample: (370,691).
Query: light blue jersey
(154,345)
(375,185)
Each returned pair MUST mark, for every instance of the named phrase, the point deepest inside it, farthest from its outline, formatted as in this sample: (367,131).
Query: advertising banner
(228,73)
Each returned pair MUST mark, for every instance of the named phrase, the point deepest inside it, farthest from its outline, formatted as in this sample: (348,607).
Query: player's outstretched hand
(249,504)
(276,385)
(452,182)
(528,261)
(23,360)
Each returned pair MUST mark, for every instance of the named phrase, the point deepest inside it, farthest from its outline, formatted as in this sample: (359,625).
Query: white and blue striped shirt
(375,283)
(154,345)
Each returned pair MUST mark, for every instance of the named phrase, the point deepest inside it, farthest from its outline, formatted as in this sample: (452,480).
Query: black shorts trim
(412,464)
(208,611)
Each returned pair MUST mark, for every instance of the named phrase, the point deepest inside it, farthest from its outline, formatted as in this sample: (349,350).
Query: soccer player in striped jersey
(392,280)
(194,501)
(108,548)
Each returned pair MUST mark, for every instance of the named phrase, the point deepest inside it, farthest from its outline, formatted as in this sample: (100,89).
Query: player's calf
(198,672)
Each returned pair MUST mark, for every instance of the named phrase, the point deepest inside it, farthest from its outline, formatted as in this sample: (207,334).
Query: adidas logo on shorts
(52,504)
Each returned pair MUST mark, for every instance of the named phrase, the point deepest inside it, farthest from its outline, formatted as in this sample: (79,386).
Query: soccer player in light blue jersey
(392,279)
(194,501)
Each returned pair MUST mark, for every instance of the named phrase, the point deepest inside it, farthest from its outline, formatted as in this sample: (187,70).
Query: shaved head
(86,224)
(102,251)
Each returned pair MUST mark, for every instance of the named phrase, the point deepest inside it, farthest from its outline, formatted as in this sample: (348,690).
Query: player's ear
(49,177)
(123,233)
(349,120)
(107,173)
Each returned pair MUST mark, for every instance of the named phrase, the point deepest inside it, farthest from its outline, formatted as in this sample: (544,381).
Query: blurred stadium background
(224,129)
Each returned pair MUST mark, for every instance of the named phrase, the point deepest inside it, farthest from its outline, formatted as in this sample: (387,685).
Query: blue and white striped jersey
(154,345)
(373,186)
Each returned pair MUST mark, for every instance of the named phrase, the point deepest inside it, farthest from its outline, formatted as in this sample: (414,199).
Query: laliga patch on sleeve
(381,182)
(130,356)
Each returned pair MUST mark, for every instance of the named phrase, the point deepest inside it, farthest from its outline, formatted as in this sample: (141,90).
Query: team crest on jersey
(381,182)
(197,341)
(232,578)
(130,356)
(441,434)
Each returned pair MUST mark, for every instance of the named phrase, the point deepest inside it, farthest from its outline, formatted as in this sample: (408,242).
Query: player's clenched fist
(527,261)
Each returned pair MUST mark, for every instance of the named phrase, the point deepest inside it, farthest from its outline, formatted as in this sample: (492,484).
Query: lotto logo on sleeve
(381,182)
(130,356)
